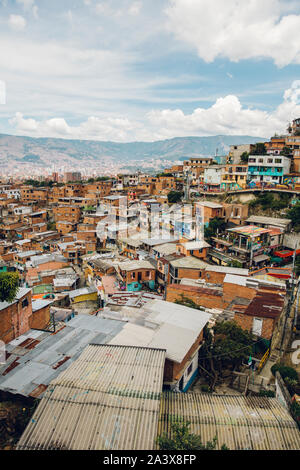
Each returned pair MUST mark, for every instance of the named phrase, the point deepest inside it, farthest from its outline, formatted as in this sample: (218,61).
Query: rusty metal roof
(242,423)
(109,398)
(266,304)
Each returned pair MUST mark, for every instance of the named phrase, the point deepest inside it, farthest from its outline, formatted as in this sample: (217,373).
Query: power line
(234,350)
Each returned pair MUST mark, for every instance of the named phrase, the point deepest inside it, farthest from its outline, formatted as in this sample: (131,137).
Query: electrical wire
(234,350)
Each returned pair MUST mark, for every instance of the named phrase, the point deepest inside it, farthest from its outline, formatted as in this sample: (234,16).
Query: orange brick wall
(246,322)
(230,291)
(200,298)
(15,320)
(214,277)
(40,319)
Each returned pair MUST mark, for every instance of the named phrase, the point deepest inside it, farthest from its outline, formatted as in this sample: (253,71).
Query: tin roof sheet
(242,423)
(31,364)
(108,399)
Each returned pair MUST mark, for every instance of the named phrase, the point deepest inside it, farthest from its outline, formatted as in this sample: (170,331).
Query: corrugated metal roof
(189,262)
(40,303)
(32,357)
(161,324)
(108,399)
(268,220)
(234,279)
(242,423)
(227,270)
(82,291)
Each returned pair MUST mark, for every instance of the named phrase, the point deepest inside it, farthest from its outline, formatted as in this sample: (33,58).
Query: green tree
(286,151)
(183,439)
(229,346)
(187,302)
(216,224)
(244,157)
(259,149)
(51,226)
(9,285)
(162,175)
(294,214)
(89,209)
(103,178)
(175,196)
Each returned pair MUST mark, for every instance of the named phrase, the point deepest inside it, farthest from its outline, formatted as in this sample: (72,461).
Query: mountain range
(30,152)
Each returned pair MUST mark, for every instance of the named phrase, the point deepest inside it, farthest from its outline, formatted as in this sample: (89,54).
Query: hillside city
(133,304)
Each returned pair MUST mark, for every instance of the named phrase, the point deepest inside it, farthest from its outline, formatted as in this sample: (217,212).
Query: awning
(258,259)
(277,260)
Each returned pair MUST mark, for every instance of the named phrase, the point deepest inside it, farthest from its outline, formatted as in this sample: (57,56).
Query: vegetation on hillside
(9,285)
(215,225)
(294,215)
(268,201)
(227,347)
(175,196)
(183,439)
(259,149)
(244,157)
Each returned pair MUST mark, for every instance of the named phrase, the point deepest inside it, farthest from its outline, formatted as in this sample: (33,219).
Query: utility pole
(290,301)
(187,186)
(251,250)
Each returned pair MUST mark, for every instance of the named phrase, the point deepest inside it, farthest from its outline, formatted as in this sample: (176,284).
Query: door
(181,384)
(257,326)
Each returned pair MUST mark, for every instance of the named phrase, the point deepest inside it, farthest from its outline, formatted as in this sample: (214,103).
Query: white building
(213,175)
(268,168)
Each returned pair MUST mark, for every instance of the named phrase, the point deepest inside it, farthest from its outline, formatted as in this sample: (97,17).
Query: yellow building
(83,295)
(234,177)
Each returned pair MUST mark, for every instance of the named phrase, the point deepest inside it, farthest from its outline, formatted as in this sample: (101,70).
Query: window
(278,160)
(190,368)
(25,303)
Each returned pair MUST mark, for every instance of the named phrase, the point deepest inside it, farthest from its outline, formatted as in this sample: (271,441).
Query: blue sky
(128,70)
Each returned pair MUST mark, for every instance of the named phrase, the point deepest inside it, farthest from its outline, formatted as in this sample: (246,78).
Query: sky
(146,70)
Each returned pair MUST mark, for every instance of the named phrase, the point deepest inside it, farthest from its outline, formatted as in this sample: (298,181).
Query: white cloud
(94,128)
(35,11)
(2,92)
(27,4)
(17,22)
(135,8)
(237,29)
(226,116)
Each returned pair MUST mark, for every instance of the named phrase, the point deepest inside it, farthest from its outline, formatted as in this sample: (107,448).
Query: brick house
(15,317)
(40,318)
(136,273)
(198,249)
(202,296)
(186,267)
(69,213)
(262,313)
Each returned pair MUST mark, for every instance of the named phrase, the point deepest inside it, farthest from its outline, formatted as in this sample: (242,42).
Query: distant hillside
(43,152)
